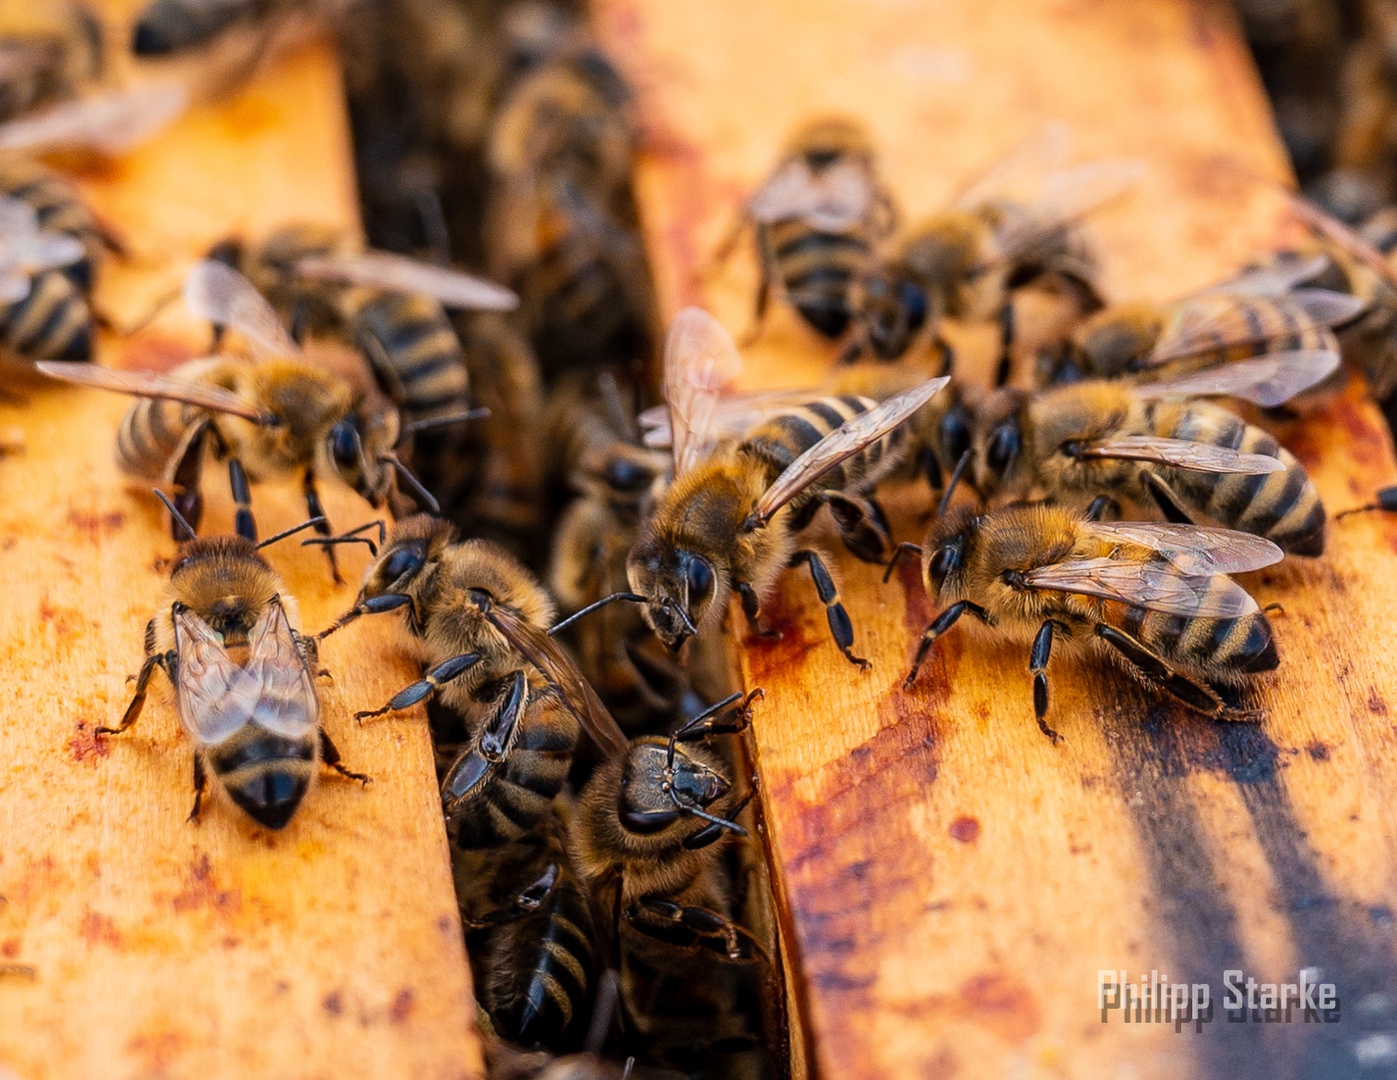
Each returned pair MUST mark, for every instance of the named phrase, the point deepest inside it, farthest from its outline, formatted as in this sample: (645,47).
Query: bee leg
(768,272)
(752,608)
(838,617)
(713,720)
(692,925)
(468,773)
(718,828)
(1006,344)
(862,525)
(1154,669)
(1165,499)
(939,626)
(422,689)
(187,477)
(153,660)
(315,509)
(529,900)
(243,523)
(1099,506)
(330,755)
(948,354)
(1038,665)
(201,783)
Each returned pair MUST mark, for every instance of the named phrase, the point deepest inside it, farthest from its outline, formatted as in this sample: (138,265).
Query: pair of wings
(1186,578)
(1345,238)
(218,697)
(701,361)
(26,249)
(110,122)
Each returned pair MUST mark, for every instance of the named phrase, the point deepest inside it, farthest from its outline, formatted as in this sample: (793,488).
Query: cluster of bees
(1097,498)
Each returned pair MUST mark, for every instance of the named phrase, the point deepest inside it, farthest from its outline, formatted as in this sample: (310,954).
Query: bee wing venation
(733,416)
(1182,454)
(1267,381)
(398,273)
(700,361)
(1194,549)
(574,691)
(150,384)
(110,123)
(1221,320)
(1273,280)
(833,199)
(1347,239)
(287,703)
(843,443)
(216,697)
(1158,586)
(216,293)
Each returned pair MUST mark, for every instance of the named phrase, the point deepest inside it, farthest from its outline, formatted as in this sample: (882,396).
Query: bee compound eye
(944,562)
(699,576)
(628,476)
(405,560)
(344,444)
(1003,448)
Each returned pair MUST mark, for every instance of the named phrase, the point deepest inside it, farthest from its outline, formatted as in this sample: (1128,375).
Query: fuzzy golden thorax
(827,139)
(693,549)
(226,583)
(306,402)
(951,255)
(1060,423)
(1114,341)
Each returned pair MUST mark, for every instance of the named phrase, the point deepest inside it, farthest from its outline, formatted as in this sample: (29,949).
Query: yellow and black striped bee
(1154,444)
(48,52)
(728,522)
(1155,598)
(479,620)
(244,677)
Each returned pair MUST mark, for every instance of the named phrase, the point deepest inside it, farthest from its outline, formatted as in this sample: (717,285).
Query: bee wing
(1182,454)
(1345,238)
(215,696)
(1268,380)
(843,443)
(17,219)
(109,123)
(287,702)
(1158,586)
(1193,549)
(1067,198)
(1043,152)
(1273,280)
(398,273)
(574,691)
(14,285)
(1219,320)
(217,293)
(733,416)
(833,199)
(150,384)
(700,360)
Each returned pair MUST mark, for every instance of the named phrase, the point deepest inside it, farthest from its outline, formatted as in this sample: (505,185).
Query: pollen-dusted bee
(1194,460)
(479,621)
(817,220)
(277,414)
(47,53)
(645,843)
(1254,313)
(728,522)
(1155,598)
(965,262)
(244,678)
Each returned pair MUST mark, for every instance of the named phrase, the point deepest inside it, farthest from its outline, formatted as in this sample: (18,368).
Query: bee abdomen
(790,433)
(817,269)
(52,323)
(414,340)
(1218,648)
(265,774)
(59,209)
(168,26)
(149,436)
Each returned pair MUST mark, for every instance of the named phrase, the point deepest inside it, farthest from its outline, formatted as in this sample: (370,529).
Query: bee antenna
(721,822)
(292,531)
(178,517)
(683,616)
(961,466)
(633,597)
(615,411)
(352,537)
(422,494)
(433,422)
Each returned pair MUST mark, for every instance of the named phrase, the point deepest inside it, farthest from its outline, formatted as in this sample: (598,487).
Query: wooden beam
(953,883)
(332,948)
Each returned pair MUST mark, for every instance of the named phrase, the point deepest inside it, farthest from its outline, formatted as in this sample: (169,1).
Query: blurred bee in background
(479,620)
(48,52)
(244,677)
(275,414)
(729,519)
(1154,598)
(1155,443)
(646,844)
(965,263)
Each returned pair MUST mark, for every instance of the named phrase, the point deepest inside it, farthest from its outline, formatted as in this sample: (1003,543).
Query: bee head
(891,308)
(679,585)
(943,553)
(999,439)
(656,789)
(412,546)
(359,446)
(1116,341)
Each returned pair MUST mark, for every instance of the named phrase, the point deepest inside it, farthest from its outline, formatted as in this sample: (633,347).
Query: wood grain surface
(951,882)
(160,948)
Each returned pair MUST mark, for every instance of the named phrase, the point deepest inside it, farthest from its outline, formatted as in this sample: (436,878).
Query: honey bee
(244,678)
(269,416)
(171,27)
(1154,598)
(530,937)
(965,262)
(645,843)
(1193,459)
(729,520)
(47,55)
(1254,313)
(479,620)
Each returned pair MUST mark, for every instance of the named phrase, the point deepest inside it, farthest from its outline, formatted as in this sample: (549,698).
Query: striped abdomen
(265,773)
(150,435)
(538,970)
(816,269)
(60,209)
(52,323)
(414,350)
(1219,650)
(1279,326)
(1284,506)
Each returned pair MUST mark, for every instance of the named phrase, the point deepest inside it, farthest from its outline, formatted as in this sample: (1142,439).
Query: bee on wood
(47,54)
(1153,597)
(276,414)
(729,520)
(1193,460)
(645,843)
(479,620)
(244,677)
(1254,313)
(965,262)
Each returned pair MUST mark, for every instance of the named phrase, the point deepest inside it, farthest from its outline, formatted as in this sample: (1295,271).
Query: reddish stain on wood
(88,744)
(403,1005)
(966,829)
